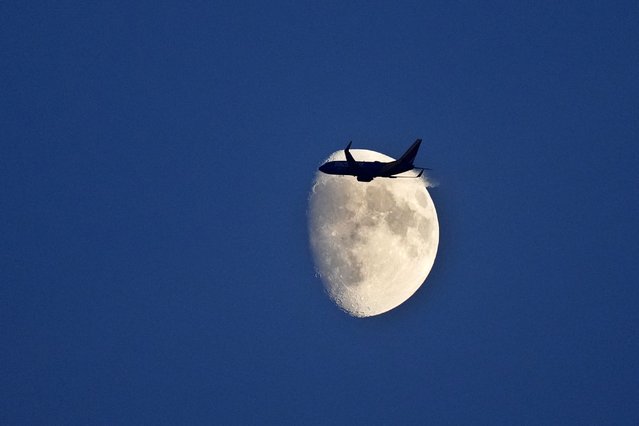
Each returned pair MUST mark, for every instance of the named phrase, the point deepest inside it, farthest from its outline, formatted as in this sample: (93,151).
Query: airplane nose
(322,168)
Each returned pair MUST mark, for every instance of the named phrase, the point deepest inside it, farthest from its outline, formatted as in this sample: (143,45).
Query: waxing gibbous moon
(373,243)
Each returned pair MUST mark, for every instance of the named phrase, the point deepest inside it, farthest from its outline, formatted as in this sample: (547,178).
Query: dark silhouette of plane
(366,171)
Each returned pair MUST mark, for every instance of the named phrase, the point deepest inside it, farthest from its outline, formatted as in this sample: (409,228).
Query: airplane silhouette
(366,171)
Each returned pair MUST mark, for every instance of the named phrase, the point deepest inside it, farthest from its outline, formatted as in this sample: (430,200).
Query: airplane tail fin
(409,156)
(405,162)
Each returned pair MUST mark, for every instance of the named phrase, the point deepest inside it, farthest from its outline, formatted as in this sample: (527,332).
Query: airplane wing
(349,156)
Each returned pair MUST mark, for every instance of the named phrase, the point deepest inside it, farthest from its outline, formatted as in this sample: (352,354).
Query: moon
(373,243)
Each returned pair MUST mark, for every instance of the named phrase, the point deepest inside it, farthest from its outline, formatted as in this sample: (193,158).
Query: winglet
(349,157)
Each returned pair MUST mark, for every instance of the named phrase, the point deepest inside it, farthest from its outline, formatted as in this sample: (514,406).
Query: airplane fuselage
(365,171)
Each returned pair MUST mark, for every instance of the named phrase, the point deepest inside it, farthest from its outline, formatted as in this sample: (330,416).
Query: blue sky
(156,160)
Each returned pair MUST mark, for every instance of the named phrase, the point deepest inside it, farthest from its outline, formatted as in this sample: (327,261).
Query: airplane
(366,171)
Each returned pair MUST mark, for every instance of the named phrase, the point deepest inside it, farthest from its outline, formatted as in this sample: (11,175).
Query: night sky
(155,164)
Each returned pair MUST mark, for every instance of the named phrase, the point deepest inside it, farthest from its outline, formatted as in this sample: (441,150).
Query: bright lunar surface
(373,243)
